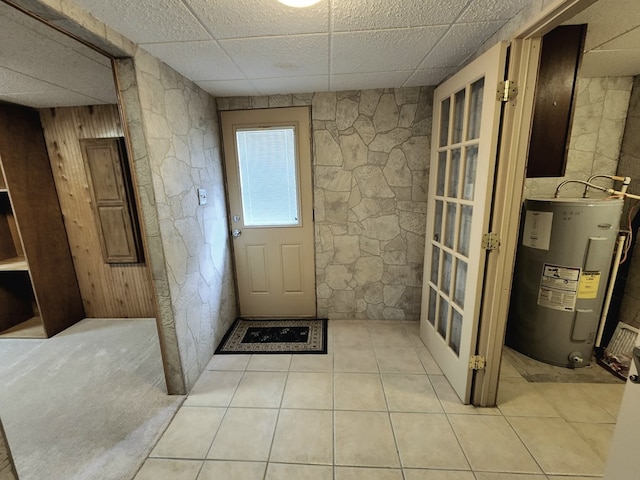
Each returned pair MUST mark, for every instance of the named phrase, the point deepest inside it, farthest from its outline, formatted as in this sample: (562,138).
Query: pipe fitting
(576,358)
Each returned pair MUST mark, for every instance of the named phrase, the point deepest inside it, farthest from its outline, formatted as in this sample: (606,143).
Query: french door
(463,157)
(268,165)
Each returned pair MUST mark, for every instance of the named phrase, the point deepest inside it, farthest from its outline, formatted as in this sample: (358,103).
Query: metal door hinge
(507,91)
(490,241)
(477,362)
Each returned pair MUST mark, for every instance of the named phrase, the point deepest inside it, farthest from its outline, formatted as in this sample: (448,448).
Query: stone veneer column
(174,133)
(371,163)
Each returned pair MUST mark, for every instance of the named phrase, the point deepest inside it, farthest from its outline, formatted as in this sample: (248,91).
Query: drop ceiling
(612,45)
(40,67)
(260,47)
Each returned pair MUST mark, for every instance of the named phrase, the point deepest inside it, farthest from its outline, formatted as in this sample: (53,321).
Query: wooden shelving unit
(14,264)
(39,293)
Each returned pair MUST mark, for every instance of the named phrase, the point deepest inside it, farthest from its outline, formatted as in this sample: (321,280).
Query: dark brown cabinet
(39,294)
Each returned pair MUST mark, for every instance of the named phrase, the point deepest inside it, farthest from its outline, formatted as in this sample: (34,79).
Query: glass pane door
(456,173)
(466,123)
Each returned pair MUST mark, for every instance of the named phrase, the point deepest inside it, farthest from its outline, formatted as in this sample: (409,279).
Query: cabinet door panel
(111,200)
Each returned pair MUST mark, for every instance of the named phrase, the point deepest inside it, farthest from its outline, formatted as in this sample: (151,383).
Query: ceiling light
(299,3)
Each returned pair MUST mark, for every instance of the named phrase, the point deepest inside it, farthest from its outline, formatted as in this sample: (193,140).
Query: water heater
(561,273)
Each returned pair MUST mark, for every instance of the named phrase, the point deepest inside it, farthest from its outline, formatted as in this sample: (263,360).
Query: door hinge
(490,241)
(477,362)
(507,91)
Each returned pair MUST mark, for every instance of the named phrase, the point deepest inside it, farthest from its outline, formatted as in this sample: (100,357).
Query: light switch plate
(202,196)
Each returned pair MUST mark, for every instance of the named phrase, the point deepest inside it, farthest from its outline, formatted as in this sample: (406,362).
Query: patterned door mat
(304,335)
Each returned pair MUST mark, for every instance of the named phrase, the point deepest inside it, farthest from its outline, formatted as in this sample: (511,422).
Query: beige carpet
(7,471)
(86,404)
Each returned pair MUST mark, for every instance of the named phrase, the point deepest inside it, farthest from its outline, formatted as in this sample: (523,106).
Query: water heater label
(589,283)
(537,229)
(559,287)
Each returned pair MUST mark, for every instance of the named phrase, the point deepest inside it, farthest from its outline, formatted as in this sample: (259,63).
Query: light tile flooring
(377,407)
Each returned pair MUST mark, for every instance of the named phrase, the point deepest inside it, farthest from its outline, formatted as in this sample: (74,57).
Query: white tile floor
(377,407)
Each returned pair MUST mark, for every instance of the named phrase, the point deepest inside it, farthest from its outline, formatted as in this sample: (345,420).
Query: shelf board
(14,264)
(32,328)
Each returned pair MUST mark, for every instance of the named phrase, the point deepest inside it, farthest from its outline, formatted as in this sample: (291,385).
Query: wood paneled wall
(108,290)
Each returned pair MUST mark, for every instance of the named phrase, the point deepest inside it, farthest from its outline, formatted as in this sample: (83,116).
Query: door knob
(236,233)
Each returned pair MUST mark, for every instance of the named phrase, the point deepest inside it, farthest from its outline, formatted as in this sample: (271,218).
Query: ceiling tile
(351,15)
(364,81)
(487,10)
(60,98)
(272,86)
(386,50)
(15,82)
(459,42)
(603,25)
(611,63)
(148,21)
(100,94)
(257,18)
(629,40)
(272,57)
(228,88)
(55,64)
(432,76)
(16,23)
(196,60)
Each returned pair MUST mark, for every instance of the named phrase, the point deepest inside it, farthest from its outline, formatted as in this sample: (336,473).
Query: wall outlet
(202,196)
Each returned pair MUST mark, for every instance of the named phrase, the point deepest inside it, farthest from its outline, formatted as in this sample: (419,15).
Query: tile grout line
(393,430)
(525,444)
(333,404)
(235,390)
(275,427)
(331,328)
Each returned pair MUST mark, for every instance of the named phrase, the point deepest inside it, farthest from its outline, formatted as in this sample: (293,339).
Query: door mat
(275,336)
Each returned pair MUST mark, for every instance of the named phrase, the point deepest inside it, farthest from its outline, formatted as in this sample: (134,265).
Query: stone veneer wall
(370,166)
(629,165)
(189,249)
(596,135)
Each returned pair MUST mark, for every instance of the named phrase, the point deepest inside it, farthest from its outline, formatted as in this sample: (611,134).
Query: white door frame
(508,193)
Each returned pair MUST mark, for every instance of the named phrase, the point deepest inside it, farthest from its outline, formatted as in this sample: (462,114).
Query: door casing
(508,192)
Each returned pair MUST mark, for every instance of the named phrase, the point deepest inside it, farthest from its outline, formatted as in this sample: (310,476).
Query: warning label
(589,283)
(537,230)
(559,287)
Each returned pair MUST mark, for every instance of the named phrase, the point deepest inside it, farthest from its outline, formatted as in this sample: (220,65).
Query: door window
(268,176)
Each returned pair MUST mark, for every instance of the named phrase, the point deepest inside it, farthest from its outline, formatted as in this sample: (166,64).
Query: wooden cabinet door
(109,192)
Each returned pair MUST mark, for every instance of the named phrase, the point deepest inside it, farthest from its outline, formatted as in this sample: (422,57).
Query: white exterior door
(464,147)
(268,167)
